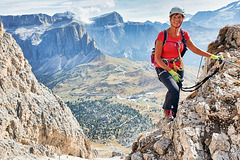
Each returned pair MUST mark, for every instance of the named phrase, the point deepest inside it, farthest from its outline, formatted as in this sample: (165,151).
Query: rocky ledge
(208,122)
(33,121)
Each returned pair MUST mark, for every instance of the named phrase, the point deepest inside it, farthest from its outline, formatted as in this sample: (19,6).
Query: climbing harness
(174,60)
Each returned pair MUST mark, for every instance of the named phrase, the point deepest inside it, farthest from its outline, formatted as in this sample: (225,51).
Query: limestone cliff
(33,121)
(208,124)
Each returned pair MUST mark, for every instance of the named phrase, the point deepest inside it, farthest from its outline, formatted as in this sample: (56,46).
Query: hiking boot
(169,115)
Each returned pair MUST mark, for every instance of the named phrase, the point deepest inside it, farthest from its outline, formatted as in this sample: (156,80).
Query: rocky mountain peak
(112,18)
(66,15)
(33,121)
(207,124)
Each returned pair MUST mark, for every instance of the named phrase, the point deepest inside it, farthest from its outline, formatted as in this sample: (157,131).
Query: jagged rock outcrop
(33,121)
(207,125)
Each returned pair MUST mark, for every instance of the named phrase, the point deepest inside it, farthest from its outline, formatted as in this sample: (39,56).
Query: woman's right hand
(175,76)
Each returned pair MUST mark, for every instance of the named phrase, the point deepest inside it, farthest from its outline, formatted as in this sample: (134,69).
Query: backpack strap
(184,42)
(165,35)
(183,36)
(153,49)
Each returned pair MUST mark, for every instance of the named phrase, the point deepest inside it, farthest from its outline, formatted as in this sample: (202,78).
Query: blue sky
(130,10)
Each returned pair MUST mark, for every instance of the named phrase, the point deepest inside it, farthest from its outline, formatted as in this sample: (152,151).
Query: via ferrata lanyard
(175,67)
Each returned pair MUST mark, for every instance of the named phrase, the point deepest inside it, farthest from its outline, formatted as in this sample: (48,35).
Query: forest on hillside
(103,120)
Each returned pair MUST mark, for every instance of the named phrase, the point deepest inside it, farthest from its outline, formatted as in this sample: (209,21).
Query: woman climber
(168,58)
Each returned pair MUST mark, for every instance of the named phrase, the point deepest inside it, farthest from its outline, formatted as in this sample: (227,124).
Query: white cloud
(107,3)
(86,9)
(83,14)
(95,3)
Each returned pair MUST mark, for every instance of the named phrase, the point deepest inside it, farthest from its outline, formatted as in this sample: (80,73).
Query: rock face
(33,121)
(207,126)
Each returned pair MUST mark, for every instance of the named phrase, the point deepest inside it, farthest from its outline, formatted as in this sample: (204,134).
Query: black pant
(172,96)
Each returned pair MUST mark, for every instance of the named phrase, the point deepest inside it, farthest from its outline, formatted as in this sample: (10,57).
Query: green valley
(118,86)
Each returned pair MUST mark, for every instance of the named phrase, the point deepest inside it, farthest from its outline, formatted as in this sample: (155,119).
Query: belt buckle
(176,59)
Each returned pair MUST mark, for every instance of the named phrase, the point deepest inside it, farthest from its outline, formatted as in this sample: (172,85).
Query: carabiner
(178,45)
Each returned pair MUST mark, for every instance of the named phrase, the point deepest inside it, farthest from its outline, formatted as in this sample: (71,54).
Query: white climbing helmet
(178,10)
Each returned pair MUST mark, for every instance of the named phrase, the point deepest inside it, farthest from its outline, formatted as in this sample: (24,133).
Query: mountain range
(52,44)
(61,42)
(228,15)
